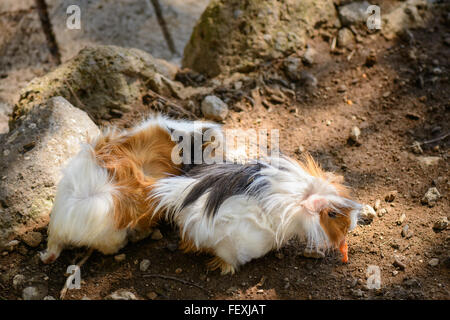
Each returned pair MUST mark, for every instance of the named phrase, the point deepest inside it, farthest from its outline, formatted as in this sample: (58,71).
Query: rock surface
(235,35)
(214,108)
(31,157)
(99,79)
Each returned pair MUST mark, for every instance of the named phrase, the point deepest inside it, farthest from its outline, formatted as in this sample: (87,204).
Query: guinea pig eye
(332,214)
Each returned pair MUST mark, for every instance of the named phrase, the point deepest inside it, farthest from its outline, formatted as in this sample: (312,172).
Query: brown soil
(395,102)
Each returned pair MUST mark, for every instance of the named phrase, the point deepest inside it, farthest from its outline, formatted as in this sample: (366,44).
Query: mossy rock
(98,79)
(236,35)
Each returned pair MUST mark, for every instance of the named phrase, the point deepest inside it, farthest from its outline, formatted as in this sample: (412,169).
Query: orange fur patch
(313,168)
(134,163)
(336,228)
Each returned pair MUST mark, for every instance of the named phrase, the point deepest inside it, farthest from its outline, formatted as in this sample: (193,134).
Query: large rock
(235,35)
(31,157)
(99,79)
(404,16)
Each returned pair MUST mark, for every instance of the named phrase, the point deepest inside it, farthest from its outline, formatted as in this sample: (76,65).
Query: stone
(97,80)
(308,79)
(309,55)
(367,212)
(11,245)
(292,68)
(403,17)
(214,108)
(223,43)
(156,235)
(315,254)
(152,295)
(120,257)
(354,137)
(433,262)
(40,144)
(406,232)
(345,38)
(401,219)
(18,281)
(353,13)
(440,224)
(377,205)
(121,294)
(33,293)
(399,264)
(144,265)
(382,212)
(178,270)
(49,298)
(390,196)
(32,239)
(431,197)
(428,161)
(357,293)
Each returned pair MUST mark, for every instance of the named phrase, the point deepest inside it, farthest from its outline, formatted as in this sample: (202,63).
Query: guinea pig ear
(315,203)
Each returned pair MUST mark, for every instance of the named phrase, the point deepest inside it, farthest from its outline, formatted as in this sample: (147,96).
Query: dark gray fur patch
(222,181)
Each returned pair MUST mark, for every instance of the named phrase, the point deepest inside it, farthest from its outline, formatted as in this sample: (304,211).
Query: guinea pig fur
(239,212)
(102,198)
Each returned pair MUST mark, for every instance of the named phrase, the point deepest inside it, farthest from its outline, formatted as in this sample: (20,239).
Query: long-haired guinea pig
(239,212)
(101,200)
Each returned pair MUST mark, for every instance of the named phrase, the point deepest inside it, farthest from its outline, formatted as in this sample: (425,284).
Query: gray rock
(39,146)
(345,38)
(433,262)
(97,80)
(428,161)
(368,213)
(403,17)
(354,137)
(214,108)
(440,224)
(49,298)
(406,232)
(11,245)
(223,44)
(292,68)
(353,13)
(308,79)
(431,196)
(121,294)
(33,293)
(144,265)
(357,293)
(18,281)
(309,56)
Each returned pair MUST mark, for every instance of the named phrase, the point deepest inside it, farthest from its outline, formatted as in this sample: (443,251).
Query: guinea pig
(239,212)
(102,198)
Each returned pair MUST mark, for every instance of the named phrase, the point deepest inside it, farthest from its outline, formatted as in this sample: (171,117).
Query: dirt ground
(404,97)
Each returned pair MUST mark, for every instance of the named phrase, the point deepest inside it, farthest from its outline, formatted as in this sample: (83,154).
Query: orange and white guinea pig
(102,198)
(239,212)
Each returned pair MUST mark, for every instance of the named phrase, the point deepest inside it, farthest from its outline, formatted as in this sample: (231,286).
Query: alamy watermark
(73,21)
(373,21)
(74,279)
(214,146)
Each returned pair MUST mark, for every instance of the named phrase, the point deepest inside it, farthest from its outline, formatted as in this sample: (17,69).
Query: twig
(163,25)
(435,139)
(154,275)
(79,264)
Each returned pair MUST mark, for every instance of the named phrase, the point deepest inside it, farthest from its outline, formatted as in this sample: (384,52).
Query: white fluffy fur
(83,212)
(247,227)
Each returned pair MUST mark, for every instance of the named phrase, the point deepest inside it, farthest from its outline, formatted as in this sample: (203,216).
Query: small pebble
(143,266)
(433,262)
(399,264)
(178,270)
(120,257)
(156,235)
(152,295)
(401,219)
